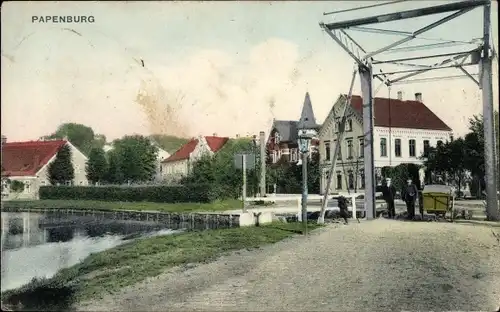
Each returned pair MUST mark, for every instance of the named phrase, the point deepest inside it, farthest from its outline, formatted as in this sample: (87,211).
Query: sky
(222,68)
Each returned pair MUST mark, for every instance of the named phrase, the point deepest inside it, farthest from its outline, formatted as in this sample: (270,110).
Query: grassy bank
(125,265)
(108,205)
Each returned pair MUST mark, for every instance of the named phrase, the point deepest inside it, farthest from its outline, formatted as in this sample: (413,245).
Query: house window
(275,157)
(426,147)
(339,156)
(339,180)
(328,151)
(383,147)
(349,149)
(276,137)
(397,147)
(350,179)
(411,147)
(349,125)
(362,178)
(336,126)
(361,146)
(294,155)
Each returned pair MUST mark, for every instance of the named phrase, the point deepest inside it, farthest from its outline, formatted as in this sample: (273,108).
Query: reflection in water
(33,247)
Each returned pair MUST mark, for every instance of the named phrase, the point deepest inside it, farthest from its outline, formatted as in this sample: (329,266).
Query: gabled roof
(396,113)
(214,143)
(307,119)
(27,158)
(287,129)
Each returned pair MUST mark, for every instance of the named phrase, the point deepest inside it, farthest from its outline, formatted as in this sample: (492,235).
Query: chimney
(237,136)
(214,134)
(400,95)
(418,97)
(4,139)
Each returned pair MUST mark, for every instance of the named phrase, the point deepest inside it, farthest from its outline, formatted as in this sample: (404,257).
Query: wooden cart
(438,200)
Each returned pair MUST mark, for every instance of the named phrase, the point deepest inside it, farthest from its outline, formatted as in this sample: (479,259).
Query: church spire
(307,119)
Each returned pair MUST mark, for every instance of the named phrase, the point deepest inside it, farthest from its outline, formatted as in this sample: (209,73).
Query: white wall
(405,135)
(162,155)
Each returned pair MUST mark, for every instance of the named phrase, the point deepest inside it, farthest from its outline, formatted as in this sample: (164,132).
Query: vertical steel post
(244,190)
(304,191)
(492,212)
(365,73)
(262,140)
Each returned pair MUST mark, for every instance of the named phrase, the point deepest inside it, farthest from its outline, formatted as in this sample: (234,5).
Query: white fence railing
(311,197)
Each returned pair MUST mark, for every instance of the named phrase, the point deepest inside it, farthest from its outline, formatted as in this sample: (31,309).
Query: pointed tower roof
(307,119)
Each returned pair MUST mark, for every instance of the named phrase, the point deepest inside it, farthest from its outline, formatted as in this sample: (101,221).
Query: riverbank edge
(125,265)
(216,206)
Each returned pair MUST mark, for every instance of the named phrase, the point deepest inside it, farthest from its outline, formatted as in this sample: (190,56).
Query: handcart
(438,200)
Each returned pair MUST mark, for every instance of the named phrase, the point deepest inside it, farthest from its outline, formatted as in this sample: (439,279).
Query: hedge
(195,193)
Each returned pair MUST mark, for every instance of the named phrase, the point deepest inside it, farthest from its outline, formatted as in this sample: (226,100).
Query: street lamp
(255,142)
(305,138)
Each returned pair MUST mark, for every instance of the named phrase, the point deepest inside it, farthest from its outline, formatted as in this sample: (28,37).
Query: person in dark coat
(389,193)
(344,212)
(409,194)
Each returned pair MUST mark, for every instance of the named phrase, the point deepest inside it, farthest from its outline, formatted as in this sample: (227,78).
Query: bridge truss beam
(481,55)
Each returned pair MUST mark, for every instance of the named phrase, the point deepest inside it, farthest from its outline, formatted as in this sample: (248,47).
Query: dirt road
(372,266)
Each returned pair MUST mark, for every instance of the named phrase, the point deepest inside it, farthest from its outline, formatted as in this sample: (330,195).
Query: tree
(219,169)
(61,170)
(288,176)
(81,136)
(138,157)
(449,161)
(114,174)
(475,141)
(97,166)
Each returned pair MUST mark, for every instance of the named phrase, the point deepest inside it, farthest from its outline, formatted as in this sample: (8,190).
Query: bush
(198,193)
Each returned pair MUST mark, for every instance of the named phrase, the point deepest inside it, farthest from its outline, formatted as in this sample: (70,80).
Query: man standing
(389,192)
(409,195)
(344,212)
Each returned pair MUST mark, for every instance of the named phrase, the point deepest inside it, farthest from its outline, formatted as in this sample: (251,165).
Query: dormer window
(276,137)
(349,125)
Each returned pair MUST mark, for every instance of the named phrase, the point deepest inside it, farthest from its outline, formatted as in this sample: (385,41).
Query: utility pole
(244,190)
(486,84)
(304,190)
(262,141)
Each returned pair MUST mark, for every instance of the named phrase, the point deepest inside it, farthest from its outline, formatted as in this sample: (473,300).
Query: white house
(28,162)
(403,131)
(162,155)
(179,164)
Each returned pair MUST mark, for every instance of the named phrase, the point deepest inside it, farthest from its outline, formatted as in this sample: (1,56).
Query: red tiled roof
(27,158)
(401,114)
(215,144)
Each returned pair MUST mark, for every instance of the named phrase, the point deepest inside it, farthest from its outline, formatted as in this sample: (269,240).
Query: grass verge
(108,205)
(130,263)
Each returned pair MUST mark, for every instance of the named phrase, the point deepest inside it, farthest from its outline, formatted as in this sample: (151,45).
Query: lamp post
(304,140)
(255,142)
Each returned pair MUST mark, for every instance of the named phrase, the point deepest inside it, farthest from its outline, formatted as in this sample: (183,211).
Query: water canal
(41,244)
